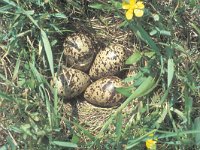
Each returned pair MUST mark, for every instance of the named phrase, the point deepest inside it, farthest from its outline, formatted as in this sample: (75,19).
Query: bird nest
(92,118)
(103,32)
(87,115)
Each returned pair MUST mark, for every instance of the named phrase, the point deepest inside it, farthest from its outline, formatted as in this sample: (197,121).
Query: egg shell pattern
(72,82)
(81,64)
(102,92)
(107,62)
(79,51)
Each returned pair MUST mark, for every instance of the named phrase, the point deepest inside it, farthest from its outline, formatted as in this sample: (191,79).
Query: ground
(162,47)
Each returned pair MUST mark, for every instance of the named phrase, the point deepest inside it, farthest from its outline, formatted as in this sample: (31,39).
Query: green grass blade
(161,118)
(55,105)
(133,58)
(16,70)
(64,144)
(6,80)
(197,127)
(59,15)
(43,92)
(143,35)
(195,27)
(133,143)
(6,96)
(145,87)
(31,18)
(84,131)
(97,6)
(170,71)
(119,121)
(166,134)
(10,3)
(4,9)
(48,51)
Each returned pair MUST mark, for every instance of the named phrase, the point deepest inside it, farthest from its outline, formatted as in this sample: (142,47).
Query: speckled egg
(102,92)
(107,62)
(78,51)
(71,82)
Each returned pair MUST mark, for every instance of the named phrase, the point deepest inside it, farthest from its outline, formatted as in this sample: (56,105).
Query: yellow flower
(133,7)
(151,144)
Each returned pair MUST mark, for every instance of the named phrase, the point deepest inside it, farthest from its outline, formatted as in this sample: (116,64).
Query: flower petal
(139,5)
(132,2)
(138,12)
(150,144)
(125,5)
(129,14)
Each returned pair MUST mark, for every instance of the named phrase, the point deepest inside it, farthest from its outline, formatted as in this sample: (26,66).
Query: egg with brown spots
(71,82)
(108,62)
(78,51)
(102,92)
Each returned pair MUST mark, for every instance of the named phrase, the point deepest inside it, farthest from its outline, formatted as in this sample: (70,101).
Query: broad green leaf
(48,51)
(124,91)
(75,139)
(145,87)
(149,54)
(139,81)
(153,32)
(64,144)
(170,71)
(133,58)
(164,32)
(129,79)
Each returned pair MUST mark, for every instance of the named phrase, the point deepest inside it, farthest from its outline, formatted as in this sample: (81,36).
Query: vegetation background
(164,106)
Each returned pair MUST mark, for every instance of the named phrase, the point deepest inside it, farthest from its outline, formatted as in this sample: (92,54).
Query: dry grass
(31,114)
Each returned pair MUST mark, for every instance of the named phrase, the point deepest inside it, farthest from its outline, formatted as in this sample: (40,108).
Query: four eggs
(85,65)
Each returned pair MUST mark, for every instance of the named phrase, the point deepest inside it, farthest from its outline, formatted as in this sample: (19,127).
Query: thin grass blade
(48,51)
(64,144)
(170,71)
